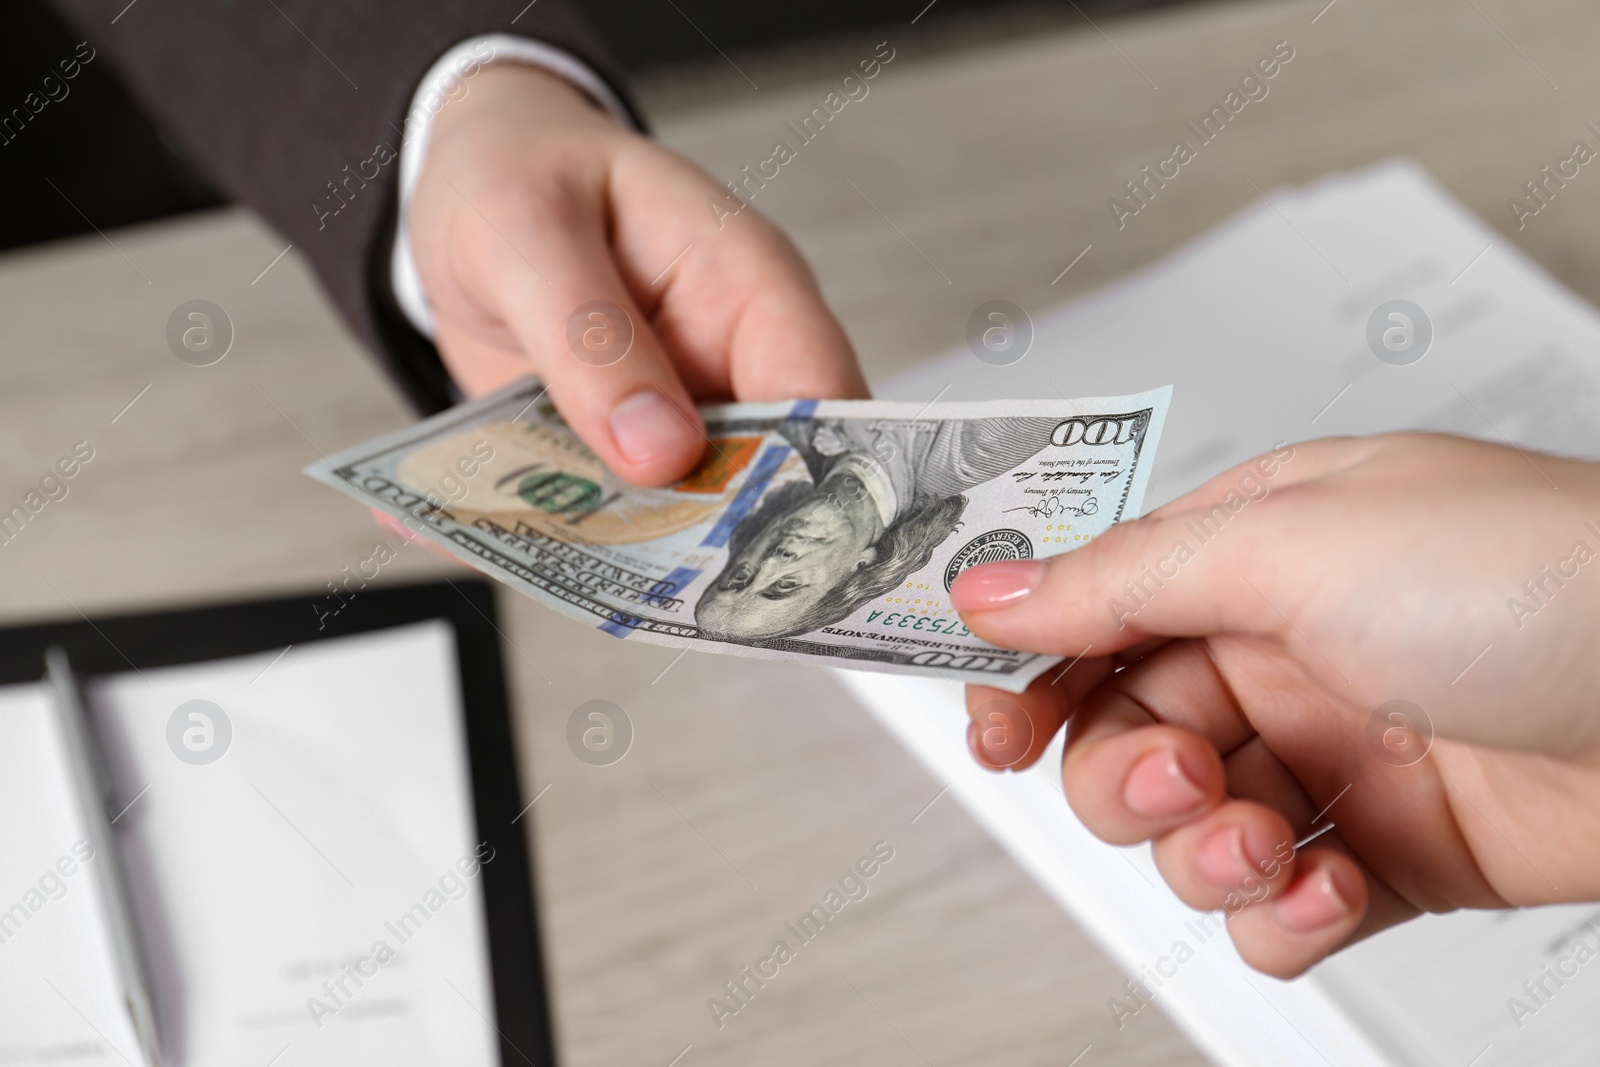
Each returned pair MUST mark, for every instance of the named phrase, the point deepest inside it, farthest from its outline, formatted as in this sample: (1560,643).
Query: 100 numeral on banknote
(827,531)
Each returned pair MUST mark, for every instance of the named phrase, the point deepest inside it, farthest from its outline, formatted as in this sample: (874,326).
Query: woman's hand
(1312,589)
(532,203)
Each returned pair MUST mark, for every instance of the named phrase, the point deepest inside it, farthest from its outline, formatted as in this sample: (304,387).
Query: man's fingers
(743,315)
(606,369)
(786,343)
(542,266)
(513,247)
(732,298)
(476,365)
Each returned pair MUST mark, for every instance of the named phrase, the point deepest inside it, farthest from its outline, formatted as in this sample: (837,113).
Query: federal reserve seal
(990,547)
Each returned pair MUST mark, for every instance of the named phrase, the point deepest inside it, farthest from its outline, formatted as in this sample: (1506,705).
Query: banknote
(824,531)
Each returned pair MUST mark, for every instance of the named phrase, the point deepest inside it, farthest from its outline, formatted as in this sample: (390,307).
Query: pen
(93,778)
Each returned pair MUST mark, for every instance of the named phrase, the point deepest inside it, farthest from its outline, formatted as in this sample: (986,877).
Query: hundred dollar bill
(824,531)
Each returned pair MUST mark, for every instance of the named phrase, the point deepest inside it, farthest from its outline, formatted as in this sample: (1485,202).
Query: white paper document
(313,894)
(1262,327)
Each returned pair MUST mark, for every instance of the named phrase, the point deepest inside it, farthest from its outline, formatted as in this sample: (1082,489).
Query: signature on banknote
(1052,506)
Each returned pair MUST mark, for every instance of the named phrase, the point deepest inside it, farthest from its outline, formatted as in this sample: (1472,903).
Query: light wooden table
(751,787)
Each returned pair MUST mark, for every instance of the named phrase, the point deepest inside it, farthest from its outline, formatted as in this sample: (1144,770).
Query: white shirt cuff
(445,81)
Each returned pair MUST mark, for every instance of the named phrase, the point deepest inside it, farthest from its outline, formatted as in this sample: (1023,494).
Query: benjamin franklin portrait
(883,495)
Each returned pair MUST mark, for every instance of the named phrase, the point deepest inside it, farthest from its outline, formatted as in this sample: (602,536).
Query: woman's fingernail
(994,585)
(1221,859)
(1005,733)
(1313,904)
(396,527)
(1159,788)
(975,746)
(646,425)
(401,530)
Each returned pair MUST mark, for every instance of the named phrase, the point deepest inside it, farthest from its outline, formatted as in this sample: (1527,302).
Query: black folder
(120,643)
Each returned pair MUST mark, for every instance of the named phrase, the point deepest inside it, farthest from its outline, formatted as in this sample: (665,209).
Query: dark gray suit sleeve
(274,99)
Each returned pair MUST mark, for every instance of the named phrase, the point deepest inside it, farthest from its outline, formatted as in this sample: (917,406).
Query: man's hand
(1261,661)
(532,203)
